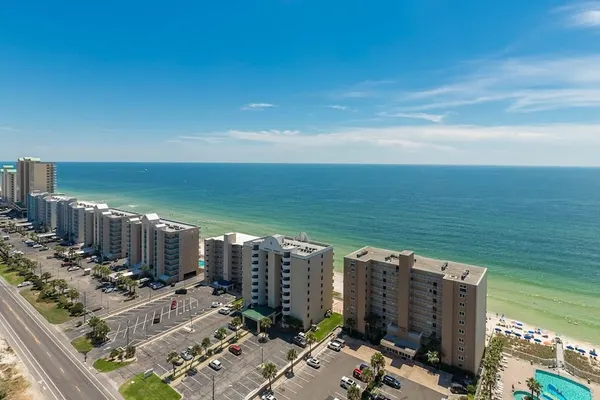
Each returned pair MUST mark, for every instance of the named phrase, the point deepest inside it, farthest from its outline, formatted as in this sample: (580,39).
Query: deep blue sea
(536,229)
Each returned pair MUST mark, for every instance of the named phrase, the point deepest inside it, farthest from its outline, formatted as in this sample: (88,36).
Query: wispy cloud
(525,85)
(200,138)
(584,15)
(364,89)
(257,106)
(339,107)
(437,118)
(8,129)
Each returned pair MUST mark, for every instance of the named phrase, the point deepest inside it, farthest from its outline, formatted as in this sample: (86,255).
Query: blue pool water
(558,387)
(520,394)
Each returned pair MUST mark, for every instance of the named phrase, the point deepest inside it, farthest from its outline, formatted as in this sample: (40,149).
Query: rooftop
(116,213)
(451,270)
(166,224)
(240,238)
(299,245)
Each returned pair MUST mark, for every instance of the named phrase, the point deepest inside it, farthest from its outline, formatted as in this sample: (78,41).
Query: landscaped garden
(534,349)
(151,388)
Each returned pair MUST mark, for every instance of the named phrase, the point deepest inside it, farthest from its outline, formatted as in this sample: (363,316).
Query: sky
(507,82)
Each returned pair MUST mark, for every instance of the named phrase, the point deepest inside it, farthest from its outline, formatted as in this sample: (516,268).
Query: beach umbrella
(532,332)
(582,351)
(537,340)
(507,332)
(517,334)
(517,323)
(527,336)
(593,353)
(570,347)
(498,330)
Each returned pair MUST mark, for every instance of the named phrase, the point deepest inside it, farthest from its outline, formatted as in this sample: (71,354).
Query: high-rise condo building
(223,257)
(411,298)
(33,174)
(111,231)
(10,186)
(170,248)
(293,273)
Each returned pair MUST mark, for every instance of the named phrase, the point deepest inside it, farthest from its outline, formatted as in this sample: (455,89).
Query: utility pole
(84,306)
(213,387)
(262,355)
(191,321)
(127,332)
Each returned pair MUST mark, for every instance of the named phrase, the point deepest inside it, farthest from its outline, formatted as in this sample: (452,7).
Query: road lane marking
(136,324)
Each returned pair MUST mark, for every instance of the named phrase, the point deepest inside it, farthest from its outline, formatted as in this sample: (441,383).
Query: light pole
(127,332)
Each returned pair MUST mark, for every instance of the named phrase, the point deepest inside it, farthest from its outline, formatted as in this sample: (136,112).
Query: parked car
(37,246)
(457,388)
(300,341)
(235,349)
(268,396)
(181,291)
(334,346)
(109,289)
(73,268)
(391,381)
(192,371)
(156,319)
(225,311)
(313,362)
(173,304)
(357,373)
(379,396)
(216,304)
(186,356)
(339,341)
(156,285)
(24,284)
(234,327)
(346,382)
(216,365)
(178,361)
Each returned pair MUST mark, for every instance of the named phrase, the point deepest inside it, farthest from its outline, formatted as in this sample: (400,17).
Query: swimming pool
(520,394)
(559,388)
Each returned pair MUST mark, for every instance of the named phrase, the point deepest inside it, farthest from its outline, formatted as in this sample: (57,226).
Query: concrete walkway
(560,355)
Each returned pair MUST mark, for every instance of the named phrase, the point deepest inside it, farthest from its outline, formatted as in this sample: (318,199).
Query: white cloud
(200,138)
(8,129)
(338,107)
(257,106)
(437,118)
(526,85)
(584,15)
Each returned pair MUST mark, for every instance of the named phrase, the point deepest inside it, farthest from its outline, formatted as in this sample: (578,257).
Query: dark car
(391,381)
(379,396)
(457,388)
(156,319)
(192,371)
(181,291)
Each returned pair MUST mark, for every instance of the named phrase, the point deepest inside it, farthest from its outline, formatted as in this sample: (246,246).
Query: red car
(357,373)
(173,304)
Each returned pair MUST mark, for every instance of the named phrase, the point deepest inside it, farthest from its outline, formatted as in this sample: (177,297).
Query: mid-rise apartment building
(10,186)
(32,175)
(80,222)
(223,257)
(170,248)
(111,231)
(293,273)
(412,298)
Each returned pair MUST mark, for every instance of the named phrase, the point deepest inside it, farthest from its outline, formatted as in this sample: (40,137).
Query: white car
(313,362)
(346,382)
(216,304)
(71,269)
(225,311)
(341,342)
(268,396)
(334,346)
(37,246)
(216,365)
(24,284)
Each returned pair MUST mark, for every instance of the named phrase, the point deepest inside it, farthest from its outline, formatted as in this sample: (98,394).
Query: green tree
(61,285)
(146,270)
(45,276)
(114,354)
(353,393)
(72,294)
(291,356)
(173,359)
(367,375)
(236,306)
(221,334)
(534,386)
(102,331)
(265,324)
(236,321)
(269,371)
(433,357)
(310,339)
(377,362)
(205,344)
(197,350)
(76,309)
(130,351)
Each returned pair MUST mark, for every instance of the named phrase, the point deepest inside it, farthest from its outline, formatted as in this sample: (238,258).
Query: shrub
(130,352)
(77,309)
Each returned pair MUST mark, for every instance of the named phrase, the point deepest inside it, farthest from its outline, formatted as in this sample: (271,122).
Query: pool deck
(517,371)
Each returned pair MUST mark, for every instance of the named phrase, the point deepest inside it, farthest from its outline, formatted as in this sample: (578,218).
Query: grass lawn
(50,311)
(327,325)
(151,388)
(103,365)
(83,345)
(11,277)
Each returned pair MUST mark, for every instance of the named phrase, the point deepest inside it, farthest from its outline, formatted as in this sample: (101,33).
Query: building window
(434,316)
(461,322)
(309,270)
(384,280)
(434,300)
(460,365)
(384,295)
(308,262)
(434,309)
(308,292)
(384,272)
(308,307)
(434,283)
(321,263)
(434,325)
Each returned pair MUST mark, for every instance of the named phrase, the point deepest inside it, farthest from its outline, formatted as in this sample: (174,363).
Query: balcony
(255,255)
(254,269)
(254,283)
(285,279)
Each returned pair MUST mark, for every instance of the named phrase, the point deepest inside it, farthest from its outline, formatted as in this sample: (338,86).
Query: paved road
(54,367)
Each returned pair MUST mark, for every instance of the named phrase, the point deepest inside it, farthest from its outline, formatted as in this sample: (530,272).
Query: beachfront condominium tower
(168,247)
(110,231)
(409,299)
(10,186)
(223,257)
(80,222)
(33,174)
(293,273)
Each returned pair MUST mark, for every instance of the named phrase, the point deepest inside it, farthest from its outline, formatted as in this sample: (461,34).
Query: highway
(61,374)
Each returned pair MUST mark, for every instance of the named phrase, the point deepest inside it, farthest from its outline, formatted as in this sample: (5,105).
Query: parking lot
(311,383)
(241,374)
(87,285)
(155,317)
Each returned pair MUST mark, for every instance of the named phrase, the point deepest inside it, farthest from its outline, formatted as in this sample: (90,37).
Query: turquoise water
(561,388)
(520,395)
(535,228)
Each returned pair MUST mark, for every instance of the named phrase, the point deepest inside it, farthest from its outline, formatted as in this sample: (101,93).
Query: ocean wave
(132,205)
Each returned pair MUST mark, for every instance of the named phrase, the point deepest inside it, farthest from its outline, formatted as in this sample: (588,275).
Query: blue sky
(398,81)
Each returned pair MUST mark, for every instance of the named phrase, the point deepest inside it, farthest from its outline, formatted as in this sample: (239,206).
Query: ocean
(536,229)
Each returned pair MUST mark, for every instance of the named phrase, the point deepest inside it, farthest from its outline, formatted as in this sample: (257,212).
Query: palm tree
(534,385)
(236,321)
(310,339)
(172,359)
(62,285)
(269,371)
(237,306)
(377,362)
(291,356)
(102,330)
(221,334)
(197,350)
(367,375)
(205,344)
(433,357)
(72,294)
(146,269)
(353,393)
(265,324)
(45,276)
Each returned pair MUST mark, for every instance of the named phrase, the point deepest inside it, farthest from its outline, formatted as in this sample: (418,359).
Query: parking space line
(296,393)
(297,384)
(136,324)
(340,395)
(283,395)
(305,380)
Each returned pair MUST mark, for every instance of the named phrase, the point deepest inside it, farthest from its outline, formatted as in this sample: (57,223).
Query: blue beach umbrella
(570,347)
(527,336)
(593,353)
(532,332)
(498,330)
(517,334)
(582,351)
(507,332)
(537,340)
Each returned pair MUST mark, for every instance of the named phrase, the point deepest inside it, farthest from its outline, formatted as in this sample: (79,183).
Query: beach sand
(494,321)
